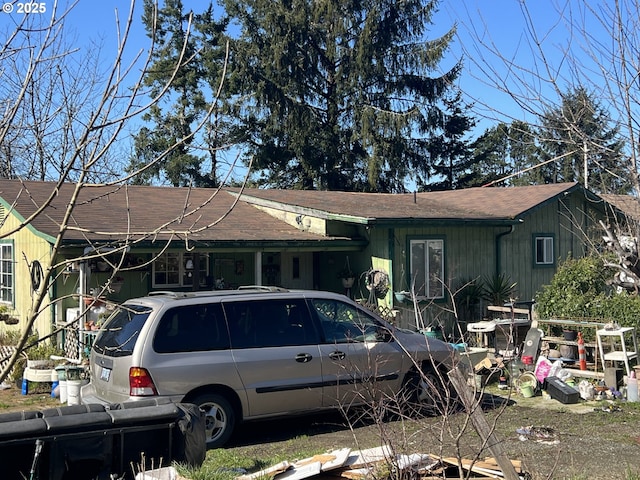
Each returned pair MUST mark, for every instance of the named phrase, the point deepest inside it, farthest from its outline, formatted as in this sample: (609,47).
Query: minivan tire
(430,393)
(220,418)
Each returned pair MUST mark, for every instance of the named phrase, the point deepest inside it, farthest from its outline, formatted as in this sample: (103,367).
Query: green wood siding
(483,251)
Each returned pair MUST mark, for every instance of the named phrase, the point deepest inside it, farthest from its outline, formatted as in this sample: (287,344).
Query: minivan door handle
(337,355)
(303,357)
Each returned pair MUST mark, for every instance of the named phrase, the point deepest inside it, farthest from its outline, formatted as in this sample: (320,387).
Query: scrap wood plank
(517,464)
(363,458)
(340,457)
(481,425)
(487,467)
(418,461)
(329,460)
(301,471)
(361,464)
(488,462)
(267,472)
(476,467)
(356,473)
(518,311)
(482,364)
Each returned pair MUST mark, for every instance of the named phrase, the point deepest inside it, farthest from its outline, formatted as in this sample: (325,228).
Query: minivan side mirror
(383,334)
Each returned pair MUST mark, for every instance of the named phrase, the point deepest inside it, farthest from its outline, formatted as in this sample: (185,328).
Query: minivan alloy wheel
(219,418)
(430,392)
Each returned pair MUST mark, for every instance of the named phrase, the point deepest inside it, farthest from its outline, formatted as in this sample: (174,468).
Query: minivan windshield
(119,334)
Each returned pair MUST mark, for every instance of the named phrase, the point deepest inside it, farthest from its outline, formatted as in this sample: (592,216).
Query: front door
(297,270)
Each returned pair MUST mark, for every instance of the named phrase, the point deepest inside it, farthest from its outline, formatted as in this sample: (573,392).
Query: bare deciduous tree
(61,120)
(585,46)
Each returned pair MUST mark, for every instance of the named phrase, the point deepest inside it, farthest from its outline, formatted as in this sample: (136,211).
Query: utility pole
(586,168)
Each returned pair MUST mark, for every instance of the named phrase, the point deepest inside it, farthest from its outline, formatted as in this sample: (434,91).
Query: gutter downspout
(498,252)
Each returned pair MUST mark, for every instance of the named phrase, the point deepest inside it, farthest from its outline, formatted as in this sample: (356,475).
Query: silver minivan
(259,352)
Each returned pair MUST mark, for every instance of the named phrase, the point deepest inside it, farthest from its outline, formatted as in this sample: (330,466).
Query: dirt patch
(39,397)
(585,440)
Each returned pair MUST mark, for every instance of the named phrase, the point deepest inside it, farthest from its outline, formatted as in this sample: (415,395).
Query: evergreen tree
(450,154)
(339,93)
(171,136)
(491,153)
(525,154)
(579,130)
(507,154)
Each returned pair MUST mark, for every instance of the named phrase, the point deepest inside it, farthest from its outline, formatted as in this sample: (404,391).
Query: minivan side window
(120,333)
(269,323)
(191,328)
(343,323)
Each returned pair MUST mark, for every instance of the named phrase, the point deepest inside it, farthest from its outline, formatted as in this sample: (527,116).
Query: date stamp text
(24,8)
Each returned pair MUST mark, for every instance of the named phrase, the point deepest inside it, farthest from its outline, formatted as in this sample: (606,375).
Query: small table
(618,352)
(487,328)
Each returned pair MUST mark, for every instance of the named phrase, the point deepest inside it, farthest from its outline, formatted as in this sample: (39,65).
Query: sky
(499,23)
(496,21)
(93,23)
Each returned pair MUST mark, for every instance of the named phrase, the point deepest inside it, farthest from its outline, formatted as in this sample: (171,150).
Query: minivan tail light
(140,383)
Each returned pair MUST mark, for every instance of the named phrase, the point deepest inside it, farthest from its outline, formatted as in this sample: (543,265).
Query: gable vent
(3,213)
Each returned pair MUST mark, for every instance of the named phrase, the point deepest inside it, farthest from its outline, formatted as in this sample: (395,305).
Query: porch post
(258,270)
(82,292)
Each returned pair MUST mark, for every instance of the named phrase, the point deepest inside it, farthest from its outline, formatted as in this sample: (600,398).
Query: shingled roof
(114,213)
(107,213)
(628,204)
(471,204)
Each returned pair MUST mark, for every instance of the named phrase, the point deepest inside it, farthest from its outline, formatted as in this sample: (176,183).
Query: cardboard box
(560,391)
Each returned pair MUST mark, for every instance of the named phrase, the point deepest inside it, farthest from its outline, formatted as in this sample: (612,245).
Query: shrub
(580,289)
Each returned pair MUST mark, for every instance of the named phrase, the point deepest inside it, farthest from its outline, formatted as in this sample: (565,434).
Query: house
(124,241)
(435,242)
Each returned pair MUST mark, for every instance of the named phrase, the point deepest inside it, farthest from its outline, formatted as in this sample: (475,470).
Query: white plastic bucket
(62,388)
(73,392)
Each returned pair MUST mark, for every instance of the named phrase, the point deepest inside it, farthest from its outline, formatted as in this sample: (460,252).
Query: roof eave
(412,222)
(312,212)
(327,244)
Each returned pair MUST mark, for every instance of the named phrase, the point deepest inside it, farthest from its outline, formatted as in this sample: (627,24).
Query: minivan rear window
(119,334)
(192,328)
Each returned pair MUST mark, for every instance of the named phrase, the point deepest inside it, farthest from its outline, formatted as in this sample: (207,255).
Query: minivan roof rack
(172,294)
(263,288)
(206,293)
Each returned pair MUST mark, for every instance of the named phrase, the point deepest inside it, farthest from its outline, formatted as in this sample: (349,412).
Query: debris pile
(374,462)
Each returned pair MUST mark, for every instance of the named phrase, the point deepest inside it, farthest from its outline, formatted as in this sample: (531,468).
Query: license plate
(105,374)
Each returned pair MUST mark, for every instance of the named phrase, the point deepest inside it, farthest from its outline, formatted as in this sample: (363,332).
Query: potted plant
(7,317)
(347,277)
(498,289)
(116,284)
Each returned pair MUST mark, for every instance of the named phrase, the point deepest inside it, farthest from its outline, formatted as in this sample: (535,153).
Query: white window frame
(427,276)
(7,273)
(543,248)
(181,271)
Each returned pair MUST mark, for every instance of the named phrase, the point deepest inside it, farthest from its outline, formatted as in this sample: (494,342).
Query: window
(544,250)
(427,267)
(121,331)
(173,269)
(6,273)
(269,323)
(191,328)
(342,323)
